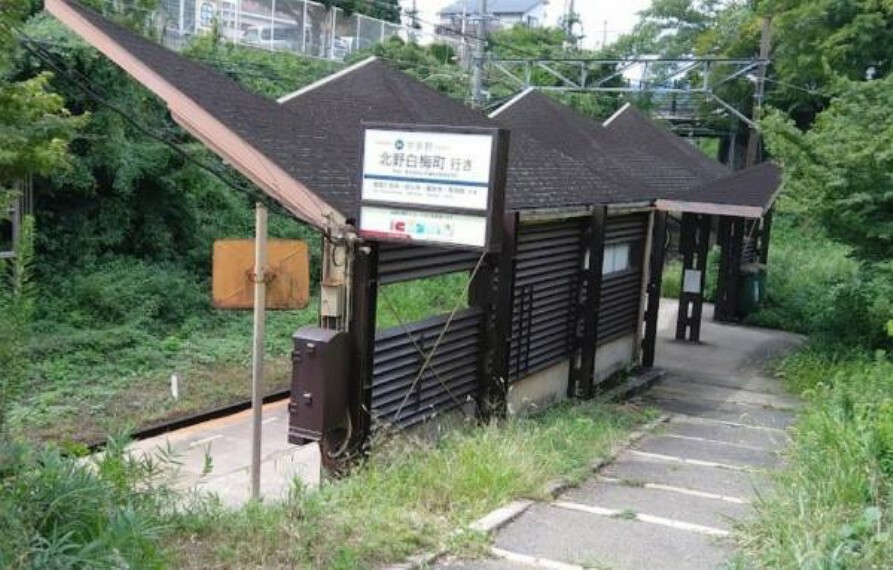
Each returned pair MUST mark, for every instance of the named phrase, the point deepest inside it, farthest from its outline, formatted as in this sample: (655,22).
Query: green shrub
(125,291)
(814,287)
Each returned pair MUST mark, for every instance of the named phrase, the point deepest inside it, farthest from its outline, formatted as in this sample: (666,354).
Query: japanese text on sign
(449,170)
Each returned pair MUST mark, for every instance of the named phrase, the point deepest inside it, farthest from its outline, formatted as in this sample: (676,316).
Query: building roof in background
(656,163)
(539,176)
(495,7)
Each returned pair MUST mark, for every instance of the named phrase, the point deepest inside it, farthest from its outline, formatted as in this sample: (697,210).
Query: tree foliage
(841,170)
(35,126)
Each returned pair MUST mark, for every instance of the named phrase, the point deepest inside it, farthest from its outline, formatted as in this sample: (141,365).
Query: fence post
(364,292)
(304,29)
(332,34)
(655,278)
(581,381)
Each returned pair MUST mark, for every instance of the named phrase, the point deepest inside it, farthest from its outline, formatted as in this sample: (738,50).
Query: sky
(617,16)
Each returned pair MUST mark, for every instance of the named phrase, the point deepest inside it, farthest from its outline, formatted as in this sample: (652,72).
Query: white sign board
(450,170)
(691,281)
(419,225)
(438,185)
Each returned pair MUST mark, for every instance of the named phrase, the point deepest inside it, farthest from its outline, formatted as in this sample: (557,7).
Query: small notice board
(433,185)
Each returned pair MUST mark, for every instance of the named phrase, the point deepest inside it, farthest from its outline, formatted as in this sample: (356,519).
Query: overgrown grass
(89,382)
(410,496)
(831,507)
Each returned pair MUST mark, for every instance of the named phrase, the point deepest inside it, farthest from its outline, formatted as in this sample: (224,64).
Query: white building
(504,13)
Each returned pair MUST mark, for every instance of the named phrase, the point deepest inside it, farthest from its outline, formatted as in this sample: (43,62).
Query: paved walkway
(671,500)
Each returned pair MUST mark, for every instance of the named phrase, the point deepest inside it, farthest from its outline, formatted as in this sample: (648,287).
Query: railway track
(194,419)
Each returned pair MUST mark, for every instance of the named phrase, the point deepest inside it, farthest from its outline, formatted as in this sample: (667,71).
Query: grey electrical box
(320,368)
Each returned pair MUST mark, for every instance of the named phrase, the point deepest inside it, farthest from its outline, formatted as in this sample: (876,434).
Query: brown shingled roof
(539,176)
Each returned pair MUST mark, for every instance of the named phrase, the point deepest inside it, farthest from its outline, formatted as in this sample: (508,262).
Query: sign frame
(495,207)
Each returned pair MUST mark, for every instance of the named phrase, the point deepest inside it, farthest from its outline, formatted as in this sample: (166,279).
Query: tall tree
(35,126)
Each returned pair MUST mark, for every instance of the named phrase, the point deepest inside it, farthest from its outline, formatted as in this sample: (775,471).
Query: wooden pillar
(582,366)
(694,245)
(655,278)
(730,236)
(364,293)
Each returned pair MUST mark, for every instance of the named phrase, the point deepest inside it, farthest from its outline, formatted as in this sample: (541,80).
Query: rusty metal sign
(287,275)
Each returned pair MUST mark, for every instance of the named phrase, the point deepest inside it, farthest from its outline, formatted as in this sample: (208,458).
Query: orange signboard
(287,274)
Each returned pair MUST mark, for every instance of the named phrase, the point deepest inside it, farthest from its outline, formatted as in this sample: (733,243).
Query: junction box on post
(319,398)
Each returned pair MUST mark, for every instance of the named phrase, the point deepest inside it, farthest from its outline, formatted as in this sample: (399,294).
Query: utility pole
(257,357)
(569,18)
(477,72)
(753,139)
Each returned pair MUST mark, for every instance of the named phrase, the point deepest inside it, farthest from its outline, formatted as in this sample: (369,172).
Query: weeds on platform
(831,507)
(57,511)
(411,495)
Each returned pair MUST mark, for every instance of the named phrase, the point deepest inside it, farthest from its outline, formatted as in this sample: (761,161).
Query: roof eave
(711,208)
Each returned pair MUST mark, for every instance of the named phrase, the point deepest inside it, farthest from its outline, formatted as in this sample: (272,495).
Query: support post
(494,371)
(695,244)
(730,236)
(364,290)
(581,381)
(765,235)
(257,368)
(655,278)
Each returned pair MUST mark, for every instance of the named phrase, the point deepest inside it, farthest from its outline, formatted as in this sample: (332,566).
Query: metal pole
(272,23)
(257,371)
(332,35)
(304,29)
(753,141)
(182,19)
(477,75)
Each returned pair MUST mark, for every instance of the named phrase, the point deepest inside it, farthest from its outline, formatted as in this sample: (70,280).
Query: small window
(265,34)
(617,258)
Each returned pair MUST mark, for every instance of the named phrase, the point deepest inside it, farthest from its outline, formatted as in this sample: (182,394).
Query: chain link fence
(298,26)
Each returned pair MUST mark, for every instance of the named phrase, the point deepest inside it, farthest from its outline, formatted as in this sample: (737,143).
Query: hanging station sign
(434,185)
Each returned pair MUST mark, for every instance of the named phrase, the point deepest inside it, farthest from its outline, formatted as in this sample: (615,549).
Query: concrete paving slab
(754,381)
(739,435)
(686,508)
(738,413)
(738,484)
(708,451)
(679,389)
(602,542)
